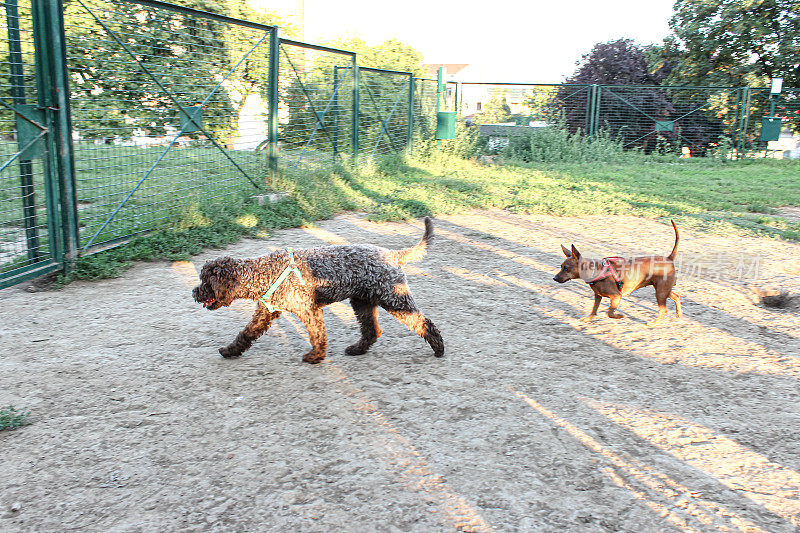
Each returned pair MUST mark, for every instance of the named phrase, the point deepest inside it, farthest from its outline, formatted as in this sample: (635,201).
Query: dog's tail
(416,252)
(674,251)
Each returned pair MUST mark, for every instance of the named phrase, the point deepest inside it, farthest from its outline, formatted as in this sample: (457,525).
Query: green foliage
(553,144)
(734,42)
(12,418)
(465,145)
(390,55)
(569,178)
(496,111)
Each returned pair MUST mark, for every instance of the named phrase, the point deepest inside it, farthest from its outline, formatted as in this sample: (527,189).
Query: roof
(449,68)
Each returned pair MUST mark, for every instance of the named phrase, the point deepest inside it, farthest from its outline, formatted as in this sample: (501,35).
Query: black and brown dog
(615,277)
(302,282)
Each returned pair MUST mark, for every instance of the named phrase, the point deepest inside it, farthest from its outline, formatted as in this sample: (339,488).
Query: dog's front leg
(612,307)
(257,326)
(595,307)
(314,322)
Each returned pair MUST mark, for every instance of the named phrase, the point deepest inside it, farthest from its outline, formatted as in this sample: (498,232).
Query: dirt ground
(533,420)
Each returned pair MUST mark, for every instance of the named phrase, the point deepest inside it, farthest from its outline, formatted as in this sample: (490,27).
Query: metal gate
(316,104)
(35,177)
(385,118)
(169,106)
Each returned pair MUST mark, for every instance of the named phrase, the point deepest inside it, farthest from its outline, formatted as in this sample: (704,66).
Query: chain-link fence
(168,110)
(315,107)
(119,117)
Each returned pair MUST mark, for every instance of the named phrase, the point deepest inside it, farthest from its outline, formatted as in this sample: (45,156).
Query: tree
(390,55)
(112,95)
(735,42)
(635,107)
(496,111)
(628,115)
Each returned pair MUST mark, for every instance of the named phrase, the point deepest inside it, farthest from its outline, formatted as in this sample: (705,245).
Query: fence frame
(51,70)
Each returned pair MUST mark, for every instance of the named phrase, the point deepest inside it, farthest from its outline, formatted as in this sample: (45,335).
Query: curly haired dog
(370,276)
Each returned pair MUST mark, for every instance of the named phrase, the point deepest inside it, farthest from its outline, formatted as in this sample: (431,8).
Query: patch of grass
(710,194)
(12,418)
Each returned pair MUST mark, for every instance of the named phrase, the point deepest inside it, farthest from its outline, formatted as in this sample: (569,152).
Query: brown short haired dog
(615,277)
(305,281)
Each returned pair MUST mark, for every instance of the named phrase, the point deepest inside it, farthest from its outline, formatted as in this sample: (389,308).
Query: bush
(555,144)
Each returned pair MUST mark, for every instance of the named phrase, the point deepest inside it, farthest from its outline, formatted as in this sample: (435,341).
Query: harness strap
(607,271)
(292,267)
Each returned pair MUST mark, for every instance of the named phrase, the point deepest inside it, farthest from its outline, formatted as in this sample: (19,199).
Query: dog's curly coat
(370,276)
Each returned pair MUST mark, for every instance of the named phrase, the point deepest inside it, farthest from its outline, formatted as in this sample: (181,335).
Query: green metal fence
(683,120)
(385,112)
(120,117)
(315,109)
(167,108)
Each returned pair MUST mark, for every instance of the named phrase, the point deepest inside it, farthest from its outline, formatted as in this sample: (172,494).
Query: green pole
(410,133)
(589,111)
(335,112)
(356,108)
(745,121)
(439,76)
(272,100)
(44,84)
(736,122)
(62,141)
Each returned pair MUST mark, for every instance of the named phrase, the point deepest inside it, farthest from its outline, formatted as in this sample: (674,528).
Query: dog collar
(292,267)
(607,270)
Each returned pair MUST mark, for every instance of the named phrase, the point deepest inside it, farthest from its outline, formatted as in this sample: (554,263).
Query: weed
(11,418)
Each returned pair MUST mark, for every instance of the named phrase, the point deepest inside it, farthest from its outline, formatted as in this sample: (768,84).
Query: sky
(530,41)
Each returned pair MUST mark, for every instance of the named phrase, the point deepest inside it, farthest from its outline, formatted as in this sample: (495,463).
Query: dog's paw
(588,319)
(313,358)
(227,353)
(616,315)
(356,349)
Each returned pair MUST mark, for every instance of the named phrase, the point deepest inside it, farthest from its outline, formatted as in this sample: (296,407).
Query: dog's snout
(555,278)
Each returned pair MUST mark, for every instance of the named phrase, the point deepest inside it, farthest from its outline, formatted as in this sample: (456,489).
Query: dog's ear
(566,251)
(575,253)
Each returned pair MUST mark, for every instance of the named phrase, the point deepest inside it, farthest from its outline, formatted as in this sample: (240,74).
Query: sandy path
(533,421)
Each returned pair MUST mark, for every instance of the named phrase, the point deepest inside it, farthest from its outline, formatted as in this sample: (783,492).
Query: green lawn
(739,197)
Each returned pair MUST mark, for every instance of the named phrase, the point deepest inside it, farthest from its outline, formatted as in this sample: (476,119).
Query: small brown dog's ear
(566,252)
(575,253)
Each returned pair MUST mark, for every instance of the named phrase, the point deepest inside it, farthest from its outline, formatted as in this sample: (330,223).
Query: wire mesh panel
(690,120)
(316,105)
(27,232)
(536,105)
(778,113)
(424,120)
(169,112)
(383,118)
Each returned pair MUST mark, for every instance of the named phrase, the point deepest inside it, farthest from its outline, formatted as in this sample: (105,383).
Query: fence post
(335,140)
(62,141)
(272,100)
(742,148)
(410,134)
(356,108)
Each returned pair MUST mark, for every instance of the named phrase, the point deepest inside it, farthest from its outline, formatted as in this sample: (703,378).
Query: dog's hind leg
(314,322)
(367,315)
(661,299)
(257,326)
(677,299)
(405,310)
